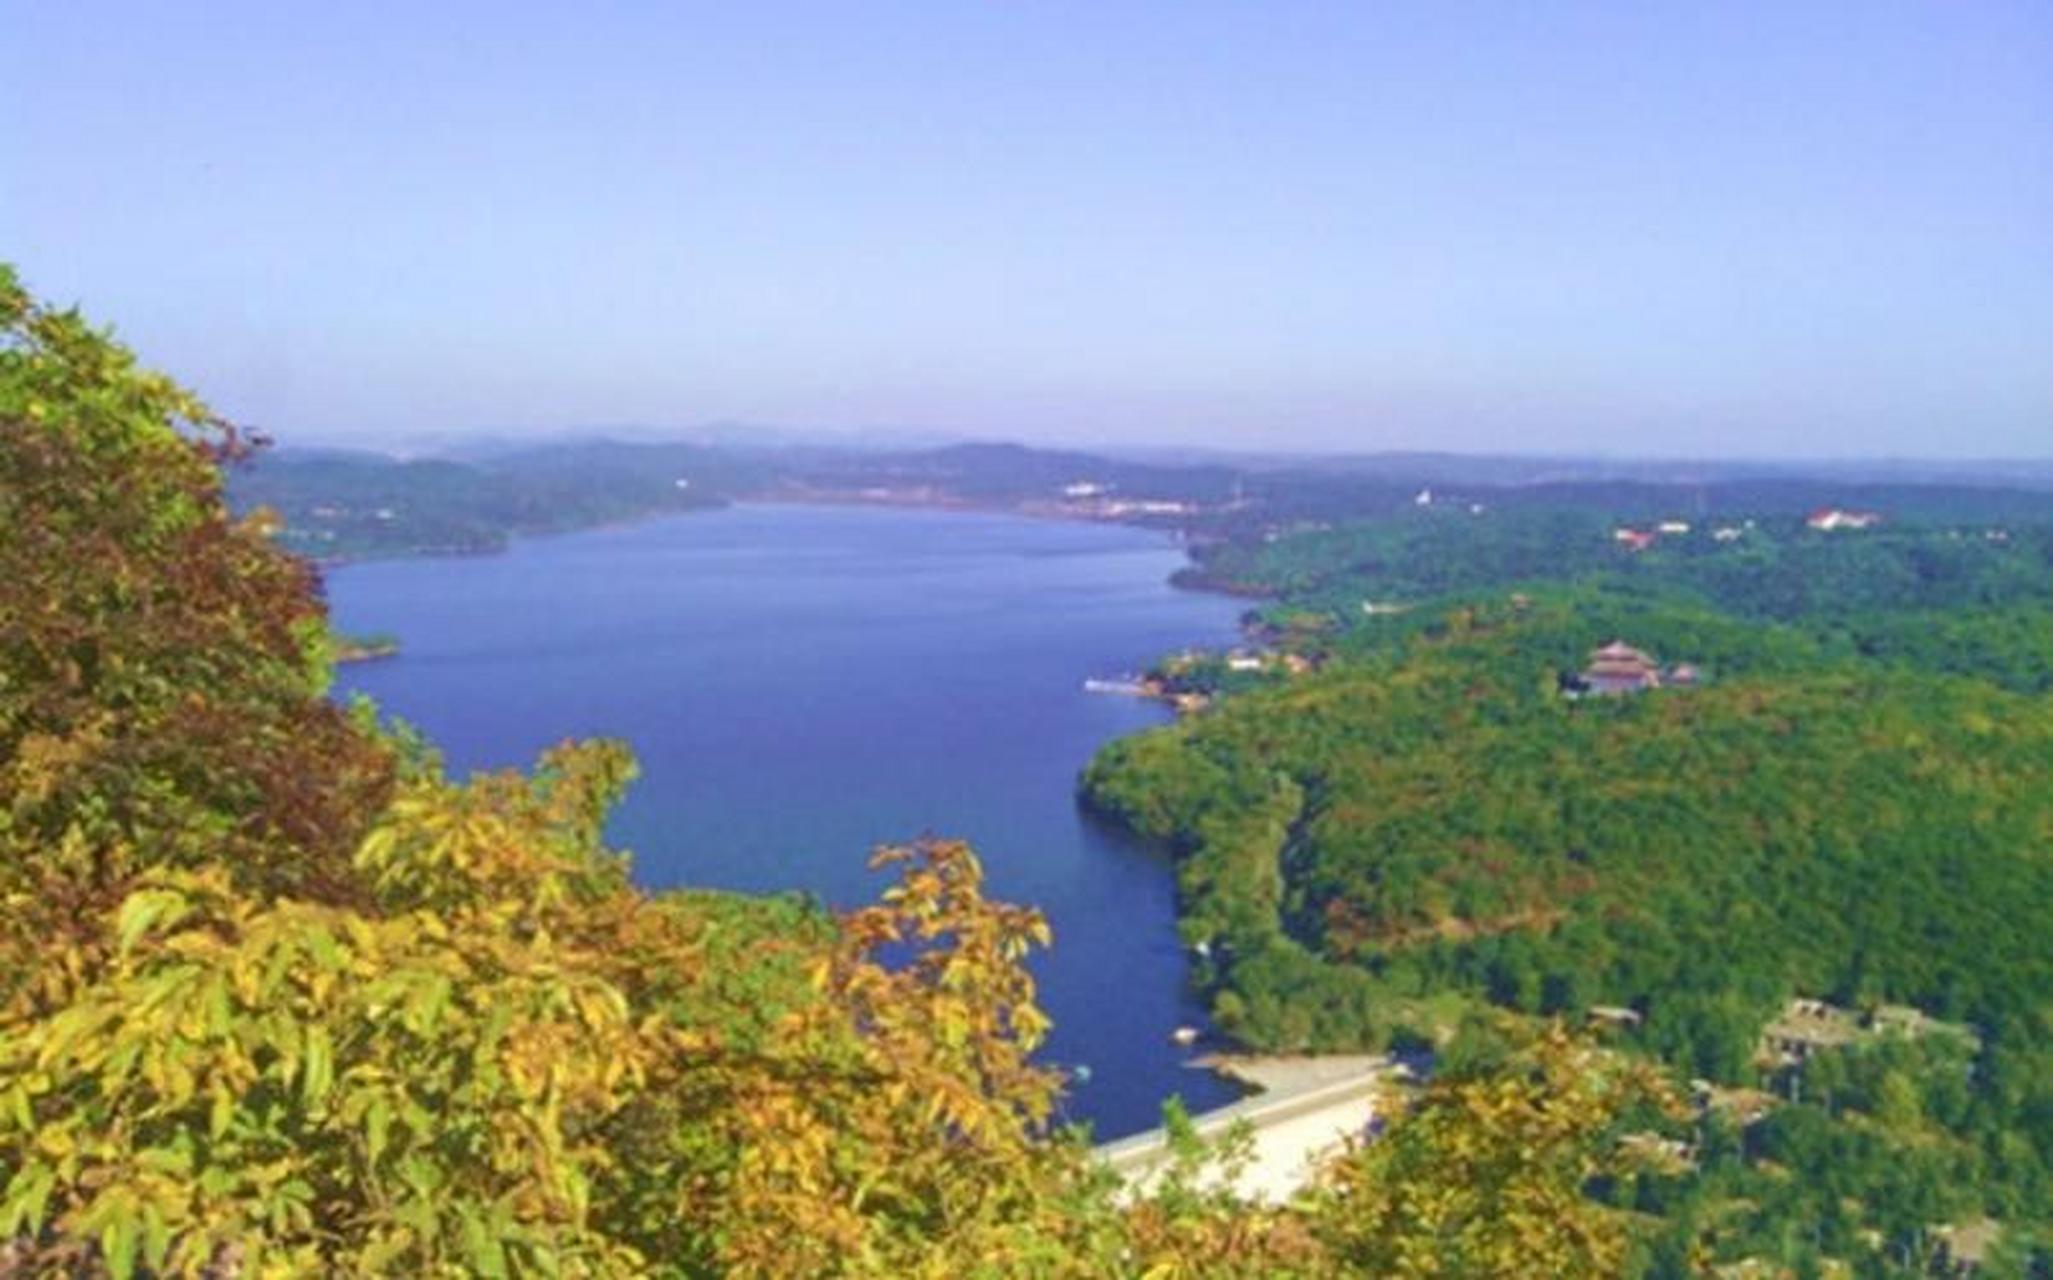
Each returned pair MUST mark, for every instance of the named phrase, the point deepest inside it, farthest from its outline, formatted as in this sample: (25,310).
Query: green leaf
(18,1109)
(318,1072)
(118,1244)
(28,1197)
(220,1112)
(381,1255)
(156,1238)
(144,909)
(482,1245)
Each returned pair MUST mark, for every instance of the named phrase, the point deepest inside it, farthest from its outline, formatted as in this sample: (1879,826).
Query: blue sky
(1642,228)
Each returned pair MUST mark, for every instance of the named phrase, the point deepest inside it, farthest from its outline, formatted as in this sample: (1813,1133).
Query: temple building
(1620,668)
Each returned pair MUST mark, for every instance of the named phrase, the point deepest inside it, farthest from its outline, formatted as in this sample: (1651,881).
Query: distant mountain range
(348,503)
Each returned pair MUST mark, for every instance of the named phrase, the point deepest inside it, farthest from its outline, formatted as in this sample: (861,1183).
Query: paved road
(1313,1107)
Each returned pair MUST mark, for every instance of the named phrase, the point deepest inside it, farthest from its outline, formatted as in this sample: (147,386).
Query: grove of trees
(279,997)
(1854,803)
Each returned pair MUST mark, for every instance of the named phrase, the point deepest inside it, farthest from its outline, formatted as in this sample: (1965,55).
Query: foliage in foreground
(278,997)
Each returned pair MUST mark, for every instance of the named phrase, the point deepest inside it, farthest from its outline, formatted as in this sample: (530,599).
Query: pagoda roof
(1619,651)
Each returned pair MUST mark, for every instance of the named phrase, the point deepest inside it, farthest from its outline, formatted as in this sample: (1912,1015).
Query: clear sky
(1637,228)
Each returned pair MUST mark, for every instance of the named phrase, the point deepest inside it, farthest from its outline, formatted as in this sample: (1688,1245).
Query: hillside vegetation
(1853,803)
(278,997)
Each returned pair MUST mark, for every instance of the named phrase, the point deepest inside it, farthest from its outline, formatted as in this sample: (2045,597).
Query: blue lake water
(803,683)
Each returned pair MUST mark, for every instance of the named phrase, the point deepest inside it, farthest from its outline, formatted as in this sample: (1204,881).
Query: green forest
(338,505)
(1853,801)
(281,997)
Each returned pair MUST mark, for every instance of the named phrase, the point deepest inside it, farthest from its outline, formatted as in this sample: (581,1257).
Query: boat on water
(1131,686)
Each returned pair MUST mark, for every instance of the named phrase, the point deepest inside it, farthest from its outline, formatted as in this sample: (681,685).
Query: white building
(1829,518)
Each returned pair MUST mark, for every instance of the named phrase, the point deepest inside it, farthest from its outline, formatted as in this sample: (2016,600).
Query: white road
(1312,1108)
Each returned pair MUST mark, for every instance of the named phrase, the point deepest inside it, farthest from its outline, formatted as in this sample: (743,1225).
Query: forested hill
(279,997)
(345,505)
(340,504)
(1848,798)
(1449,821)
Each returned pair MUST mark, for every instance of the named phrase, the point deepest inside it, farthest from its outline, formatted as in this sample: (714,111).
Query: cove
(802,683)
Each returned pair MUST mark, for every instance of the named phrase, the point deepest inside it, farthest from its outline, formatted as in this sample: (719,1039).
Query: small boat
(1185,1036)
(1081,1072)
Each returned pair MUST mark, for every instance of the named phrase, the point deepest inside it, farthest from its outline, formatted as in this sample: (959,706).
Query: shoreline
(1255,1074)
(786,498)
(1058,579)
(1284,1075)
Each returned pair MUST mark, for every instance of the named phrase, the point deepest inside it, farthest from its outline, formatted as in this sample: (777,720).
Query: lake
(803,683)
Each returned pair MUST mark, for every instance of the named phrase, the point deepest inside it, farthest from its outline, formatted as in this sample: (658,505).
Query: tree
(274,994)
(160,662)
(1486,1177)
(277,997)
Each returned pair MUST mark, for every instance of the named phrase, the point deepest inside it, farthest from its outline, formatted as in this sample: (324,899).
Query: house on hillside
(1634,539)
(1829,518)
(1807,1027)
(1618,668)
(1965,1246)
(1614,1015)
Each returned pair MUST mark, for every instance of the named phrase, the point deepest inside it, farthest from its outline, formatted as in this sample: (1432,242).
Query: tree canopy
(1850,801)
(280,997)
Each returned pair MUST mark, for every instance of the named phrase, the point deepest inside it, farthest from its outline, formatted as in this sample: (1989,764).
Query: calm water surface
(802,683)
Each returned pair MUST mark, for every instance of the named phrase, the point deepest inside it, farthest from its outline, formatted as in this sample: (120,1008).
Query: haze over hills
(1398,810)
(1492,467)
(472,495)
(1573,668)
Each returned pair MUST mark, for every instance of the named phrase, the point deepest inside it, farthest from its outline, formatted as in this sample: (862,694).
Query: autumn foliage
(279,997)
